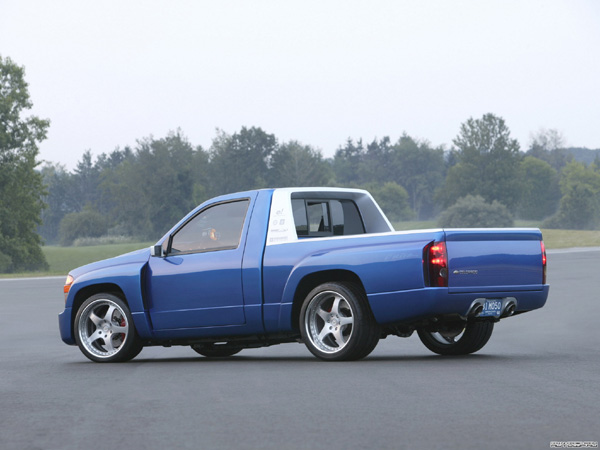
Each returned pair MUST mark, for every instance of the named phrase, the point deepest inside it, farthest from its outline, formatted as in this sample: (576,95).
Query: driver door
(199,282)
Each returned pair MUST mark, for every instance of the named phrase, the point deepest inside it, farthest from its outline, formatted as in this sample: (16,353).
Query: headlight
(68,283)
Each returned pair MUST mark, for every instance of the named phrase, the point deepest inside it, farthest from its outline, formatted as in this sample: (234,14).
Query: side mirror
(156,250)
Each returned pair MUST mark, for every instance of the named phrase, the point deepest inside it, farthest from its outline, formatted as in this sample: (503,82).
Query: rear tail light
(543,262)
(435,262)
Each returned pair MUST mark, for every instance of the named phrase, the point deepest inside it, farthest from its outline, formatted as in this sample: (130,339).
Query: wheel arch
(312,280)
(86,292)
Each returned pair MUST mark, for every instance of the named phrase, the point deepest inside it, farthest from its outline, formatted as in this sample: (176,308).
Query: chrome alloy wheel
(103,328)
(448,337)
(329,321)
(457,339)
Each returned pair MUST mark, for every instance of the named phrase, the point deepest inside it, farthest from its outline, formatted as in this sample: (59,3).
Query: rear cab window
(326,217)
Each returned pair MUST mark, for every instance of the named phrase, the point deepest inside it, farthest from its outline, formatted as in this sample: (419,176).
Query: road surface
(537,381)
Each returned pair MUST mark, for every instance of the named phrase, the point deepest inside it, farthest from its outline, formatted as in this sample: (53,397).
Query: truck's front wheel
(456,341)
(104,330)
(336,323)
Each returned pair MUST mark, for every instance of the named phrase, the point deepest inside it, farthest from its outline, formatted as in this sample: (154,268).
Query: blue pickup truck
(321,266)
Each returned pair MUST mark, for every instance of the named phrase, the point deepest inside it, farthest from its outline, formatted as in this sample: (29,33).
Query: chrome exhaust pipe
(509,309)
(475,310)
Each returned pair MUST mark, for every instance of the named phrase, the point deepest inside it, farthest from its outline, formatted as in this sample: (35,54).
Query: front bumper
(65,326)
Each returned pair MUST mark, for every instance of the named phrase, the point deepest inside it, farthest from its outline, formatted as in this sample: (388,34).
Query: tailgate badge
(466,272)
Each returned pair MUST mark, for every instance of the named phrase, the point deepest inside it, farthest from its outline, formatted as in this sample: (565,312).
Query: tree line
(142,191)
(483,179)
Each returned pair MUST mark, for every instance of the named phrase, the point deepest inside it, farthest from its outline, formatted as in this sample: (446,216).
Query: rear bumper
(403,306)
(64,325)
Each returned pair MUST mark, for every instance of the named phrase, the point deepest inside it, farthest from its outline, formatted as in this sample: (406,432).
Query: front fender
(125,277)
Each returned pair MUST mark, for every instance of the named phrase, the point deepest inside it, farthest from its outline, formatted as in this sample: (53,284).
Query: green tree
(420,169)
(83,188)
(21,187)
(376,162)
(488,164)
(60,199)
(414,165)
(347,161)
(294,164)
(107,162)
(154,189)
(472,211)
(86,181)
(540,191)
(393,200)
(240,161)
(549,146)
(106,166)
(87,223)
(580,205)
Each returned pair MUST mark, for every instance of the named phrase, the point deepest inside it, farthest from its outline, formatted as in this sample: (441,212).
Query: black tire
(336,323)
(104,330)
(474,336)
(216,351)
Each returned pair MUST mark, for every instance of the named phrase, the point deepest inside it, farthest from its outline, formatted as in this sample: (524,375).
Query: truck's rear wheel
(104,330)
(336,323)
(454,341)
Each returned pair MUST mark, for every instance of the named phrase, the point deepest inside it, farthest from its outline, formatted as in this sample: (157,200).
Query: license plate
(491,308)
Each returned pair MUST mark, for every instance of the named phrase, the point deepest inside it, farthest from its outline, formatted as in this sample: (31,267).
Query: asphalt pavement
(536,381)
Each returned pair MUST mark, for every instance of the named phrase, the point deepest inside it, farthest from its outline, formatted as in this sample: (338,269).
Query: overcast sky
(108,73)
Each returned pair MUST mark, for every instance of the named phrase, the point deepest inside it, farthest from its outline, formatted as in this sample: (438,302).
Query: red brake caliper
(122,323)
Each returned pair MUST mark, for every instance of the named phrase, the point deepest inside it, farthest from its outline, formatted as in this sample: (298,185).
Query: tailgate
(494,260)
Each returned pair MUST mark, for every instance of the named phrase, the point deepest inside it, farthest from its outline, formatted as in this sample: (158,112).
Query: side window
(337,217)
(218,227)
(316,218)
(300,219)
